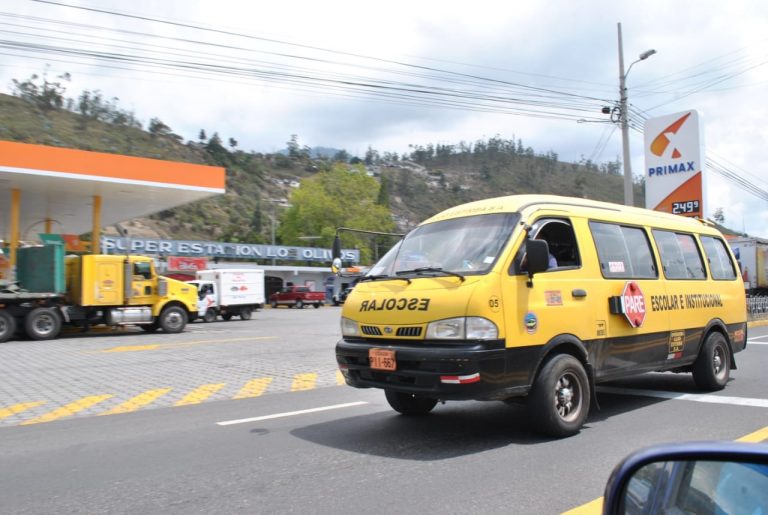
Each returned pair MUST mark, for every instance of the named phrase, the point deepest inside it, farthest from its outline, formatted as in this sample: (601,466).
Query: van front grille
(408,331)
(370,330)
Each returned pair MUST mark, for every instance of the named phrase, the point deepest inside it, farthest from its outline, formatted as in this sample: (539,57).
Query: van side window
(720,264)
(680,258)
(561,240)
(624,252)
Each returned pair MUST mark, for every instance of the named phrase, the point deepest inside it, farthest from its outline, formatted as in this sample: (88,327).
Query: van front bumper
(468,370)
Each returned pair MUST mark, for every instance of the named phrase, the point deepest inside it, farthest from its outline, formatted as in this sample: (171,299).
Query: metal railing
(757,307)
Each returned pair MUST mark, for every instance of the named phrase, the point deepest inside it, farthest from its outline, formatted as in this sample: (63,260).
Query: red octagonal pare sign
(633,303)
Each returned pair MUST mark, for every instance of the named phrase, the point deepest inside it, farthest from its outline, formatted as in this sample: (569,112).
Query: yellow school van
(539,298)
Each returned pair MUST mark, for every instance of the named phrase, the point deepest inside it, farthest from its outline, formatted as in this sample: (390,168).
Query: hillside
(428,180)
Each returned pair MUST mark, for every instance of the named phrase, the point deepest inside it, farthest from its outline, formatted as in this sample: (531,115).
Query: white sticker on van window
(488,260)
(616,267)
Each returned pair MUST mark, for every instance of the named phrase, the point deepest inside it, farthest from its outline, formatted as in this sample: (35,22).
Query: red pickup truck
(297,297)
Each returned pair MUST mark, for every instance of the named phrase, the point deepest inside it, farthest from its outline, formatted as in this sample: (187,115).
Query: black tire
(227,316)
(273,304)
(172,319)
(299,304)
(245,313)
(559,400)
(336,302)
(408,403)
(7,326)
(317,305)
(712,367)
(149,328)
(210,315)
(42,324)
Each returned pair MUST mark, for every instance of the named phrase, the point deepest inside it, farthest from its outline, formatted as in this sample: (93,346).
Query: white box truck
(229,292)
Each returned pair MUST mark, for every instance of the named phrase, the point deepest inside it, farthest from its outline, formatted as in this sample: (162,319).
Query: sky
(355,75)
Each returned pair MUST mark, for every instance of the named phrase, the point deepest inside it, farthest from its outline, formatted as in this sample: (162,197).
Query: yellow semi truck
(84,291)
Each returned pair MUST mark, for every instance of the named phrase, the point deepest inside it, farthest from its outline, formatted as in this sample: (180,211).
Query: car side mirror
(702,477)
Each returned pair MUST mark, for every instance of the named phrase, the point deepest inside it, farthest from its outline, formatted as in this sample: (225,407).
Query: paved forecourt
(109,372)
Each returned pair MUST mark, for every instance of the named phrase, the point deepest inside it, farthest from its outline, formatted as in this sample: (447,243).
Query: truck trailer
(752,257)
(53,291)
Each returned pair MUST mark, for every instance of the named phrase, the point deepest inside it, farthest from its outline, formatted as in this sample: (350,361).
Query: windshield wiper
(430,270)
(383,278)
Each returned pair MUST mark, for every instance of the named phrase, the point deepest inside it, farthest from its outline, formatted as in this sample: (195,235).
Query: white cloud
(567,46)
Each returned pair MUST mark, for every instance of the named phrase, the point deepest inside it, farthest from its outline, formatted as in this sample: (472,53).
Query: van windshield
(466,246)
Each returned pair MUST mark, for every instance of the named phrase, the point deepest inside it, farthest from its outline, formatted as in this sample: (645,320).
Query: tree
(41,92)
(718,216)
(233,143)
(383,198)
(341,156)
(371,156)
(293,147)
(202,136)
(337,198)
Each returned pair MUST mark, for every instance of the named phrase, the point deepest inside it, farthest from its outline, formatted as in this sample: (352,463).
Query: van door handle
(578,292)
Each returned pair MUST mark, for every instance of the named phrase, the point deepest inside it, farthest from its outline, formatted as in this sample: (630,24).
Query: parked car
(296,297)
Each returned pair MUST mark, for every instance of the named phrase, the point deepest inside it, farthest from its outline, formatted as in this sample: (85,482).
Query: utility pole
(624,120)
(629,199)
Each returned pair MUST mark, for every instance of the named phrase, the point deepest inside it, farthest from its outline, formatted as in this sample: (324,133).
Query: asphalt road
(302,443)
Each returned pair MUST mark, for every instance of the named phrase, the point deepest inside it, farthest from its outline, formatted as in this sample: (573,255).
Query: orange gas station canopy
(63,185)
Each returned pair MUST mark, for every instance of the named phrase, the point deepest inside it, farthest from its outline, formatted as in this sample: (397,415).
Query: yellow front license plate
(382,359)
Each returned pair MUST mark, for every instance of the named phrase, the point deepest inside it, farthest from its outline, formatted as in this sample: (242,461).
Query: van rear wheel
(559,400)
(712,368)
(408,403)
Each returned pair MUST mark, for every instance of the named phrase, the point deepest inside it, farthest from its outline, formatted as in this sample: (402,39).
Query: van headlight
(349,327)
(462,328)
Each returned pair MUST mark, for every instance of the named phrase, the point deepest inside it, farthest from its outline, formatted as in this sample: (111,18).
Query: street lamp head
(647,54)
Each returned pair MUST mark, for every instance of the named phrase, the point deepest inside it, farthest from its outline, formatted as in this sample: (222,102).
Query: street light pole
(624,120)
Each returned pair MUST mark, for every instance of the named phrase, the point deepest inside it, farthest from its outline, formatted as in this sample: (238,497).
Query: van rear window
(720,263)
(624,251)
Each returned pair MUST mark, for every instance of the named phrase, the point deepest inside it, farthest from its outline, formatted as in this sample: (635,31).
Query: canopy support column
(96,232)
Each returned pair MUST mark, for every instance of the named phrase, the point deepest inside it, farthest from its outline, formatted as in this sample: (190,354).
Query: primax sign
(116,245)
(673,182)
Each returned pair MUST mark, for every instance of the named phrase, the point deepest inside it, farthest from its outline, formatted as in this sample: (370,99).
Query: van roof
(527,205)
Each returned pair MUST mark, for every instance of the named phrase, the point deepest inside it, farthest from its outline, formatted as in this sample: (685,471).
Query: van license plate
(382,359)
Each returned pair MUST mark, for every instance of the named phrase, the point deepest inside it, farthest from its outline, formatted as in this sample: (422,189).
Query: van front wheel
(559,400)
(713,366)
(409,404)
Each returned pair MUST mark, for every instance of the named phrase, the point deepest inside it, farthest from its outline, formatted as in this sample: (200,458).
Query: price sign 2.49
(686,207)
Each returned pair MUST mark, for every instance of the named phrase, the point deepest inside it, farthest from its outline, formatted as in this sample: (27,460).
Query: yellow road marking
(592,507)
(68,409)
(253,388)
(200,394)
(137,402)
(340,378)
(303,382)
(757,436)
(596,506)
(18,408)
(130,348)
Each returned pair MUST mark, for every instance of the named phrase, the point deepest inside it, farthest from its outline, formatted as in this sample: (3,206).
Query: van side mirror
(537,256)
